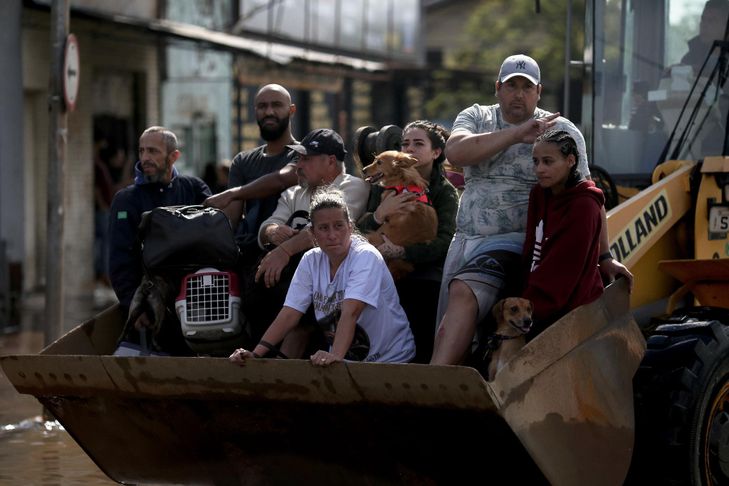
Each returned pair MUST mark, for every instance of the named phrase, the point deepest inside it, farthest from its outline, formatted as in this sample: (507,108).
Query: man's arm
(285,207)
(288,241)
(465,148)
(125,268)
(275,261)
(275,234)
(232,200)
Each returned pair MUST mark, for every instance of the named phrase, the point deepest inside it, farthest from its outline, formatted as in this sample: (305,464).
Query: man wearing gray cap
(493,144)
(285,234)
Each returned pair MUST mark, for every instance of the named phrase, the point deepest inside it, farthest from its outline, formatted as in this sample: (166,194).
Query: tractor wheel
(682,406)
(603,181)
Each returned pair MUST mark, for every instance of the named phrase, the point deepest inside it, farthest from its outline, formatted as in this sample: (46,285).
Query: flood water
(42,453)
(34,451)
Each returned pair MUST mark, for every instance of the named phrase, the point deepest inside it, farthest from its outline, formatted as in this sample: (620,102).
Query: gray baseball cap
(519,65)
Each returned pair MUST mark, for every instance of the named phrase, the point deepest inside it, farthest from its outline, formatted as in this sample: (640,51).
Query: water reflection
(40,452)
(34,451)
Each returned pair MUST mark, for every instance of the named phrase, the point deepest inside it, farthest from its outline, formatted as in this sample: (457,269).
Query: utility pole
(57,138)
(567,61)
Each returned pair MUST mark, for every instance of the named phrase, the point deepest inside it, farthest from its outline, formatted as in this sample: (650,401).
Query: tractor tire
(603,181)
(682,404)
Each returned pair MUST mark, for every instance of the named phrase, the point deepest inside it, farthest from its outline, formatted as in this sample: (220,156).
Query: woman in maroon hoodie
(562,243)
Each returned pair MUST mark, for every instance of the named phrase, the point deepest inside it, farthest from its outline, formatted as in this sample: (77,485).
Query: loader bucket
(172,420)
(568,394)
(206,421)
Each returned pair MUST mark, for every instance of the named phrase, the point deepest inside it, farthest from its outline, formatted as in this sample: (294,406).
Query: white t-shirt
(363,275)
(297,199)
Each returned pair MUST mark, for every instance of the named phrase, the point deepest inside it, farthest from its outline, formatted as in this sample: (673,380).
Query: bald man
(258,176)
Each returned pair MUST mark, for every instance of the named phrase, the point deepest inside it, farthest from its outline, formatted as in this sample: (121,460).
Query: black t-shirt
(247,167)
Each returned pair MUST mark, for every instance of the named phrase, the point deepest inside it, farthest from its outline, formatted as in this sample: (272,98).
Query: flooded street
(42,453)
(33,451)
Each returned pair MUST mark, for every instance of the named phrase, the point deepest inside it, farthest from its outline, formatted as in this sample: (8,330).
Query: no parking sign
(71,66)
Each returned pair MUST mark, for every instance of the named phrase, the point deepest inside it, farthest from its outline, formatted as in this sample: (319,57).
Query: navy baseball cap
(321,141)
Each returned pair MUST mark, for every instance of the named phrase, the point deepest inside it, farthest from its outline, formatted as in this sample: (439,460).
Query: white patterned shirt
(496,195)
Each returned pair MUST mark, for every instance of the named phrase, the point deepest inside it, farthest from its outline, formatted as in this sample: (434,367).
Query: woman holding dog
(418,292)
(562,243)
(352,292)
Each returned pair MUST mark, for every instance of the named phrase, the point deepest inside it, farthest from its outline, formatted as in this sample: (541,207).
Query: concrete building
(119,87)
(193,66)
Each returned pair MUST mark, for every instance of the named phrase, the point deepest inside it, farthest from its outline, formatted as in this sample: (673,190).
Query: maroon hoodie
(561,251)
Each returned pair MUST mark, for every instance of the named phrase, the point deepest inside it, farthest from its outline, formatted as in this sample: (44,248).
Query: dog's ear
(387,154)
(527,304)
(399,160)
(406,160)
(498,309)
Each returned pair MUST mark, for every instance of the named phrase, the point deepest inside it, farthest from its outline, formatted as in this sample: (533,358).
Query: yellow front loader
(561,412)
(673,236)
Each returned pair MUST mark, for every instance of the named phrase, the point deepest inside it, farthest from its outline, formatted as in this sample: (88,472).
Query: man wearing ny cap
(285,234)
(493,144)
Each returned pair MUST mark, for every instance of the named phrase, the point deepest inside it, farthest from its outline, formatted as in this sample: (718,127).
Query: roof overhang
(275,51)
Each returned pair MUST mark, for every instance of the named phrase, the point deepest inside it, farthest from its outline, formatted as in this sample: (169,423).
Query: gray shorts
(486,274)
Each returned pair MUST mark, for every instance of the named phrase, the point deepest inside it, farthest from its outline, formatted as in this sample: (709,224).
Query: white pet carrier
(209,306)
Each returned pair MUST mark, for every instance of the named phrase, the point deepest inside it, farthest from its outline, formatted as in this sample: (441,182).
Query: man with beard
(156,183)
(258,176)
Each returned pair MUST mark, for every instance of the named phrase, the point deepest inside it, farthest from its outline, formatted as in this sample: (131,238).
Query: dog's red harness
(411,189)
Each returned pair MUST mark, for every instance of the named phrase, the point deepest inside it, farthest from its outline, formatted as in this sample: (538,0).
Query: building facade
(193,66)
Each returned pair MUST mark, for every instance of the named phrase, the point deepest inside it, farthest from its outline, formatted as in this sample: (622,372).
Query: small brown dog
(513,320)
(419,223)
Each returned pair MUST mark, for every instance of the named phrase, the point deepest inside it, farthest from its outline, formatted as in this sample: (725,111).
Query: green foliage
(494,31)
(452,91)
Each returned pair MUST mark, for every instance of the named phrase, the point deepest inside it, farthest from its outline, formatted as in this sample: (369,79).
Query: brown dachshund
(513,320)
(419,222)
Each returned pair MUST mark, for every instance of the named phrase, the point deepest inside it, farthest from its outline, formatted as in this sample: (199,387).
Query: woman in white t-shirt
(354,296)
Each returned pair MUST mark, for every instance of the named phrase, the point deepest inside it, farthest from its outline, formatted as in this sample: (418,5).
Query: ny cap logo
(314,143)
(520,64)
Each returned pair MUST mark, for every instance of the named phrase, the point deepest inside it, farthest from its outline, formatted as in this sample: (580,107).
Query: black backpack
(187,238)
